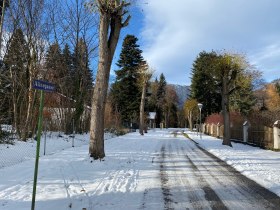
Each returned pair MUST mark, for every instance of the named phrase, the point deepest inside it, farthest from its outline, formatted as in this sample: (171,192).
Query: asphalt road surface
(192,178)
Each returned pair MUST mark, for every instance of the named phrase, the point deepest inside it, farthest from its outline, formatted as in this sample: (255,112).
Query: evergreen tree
(56,72)
(82,81)
(160,95)
(54,66)
(69,77)
(73,78)
(161,89)
(125,92)
(17,77)
(203,86)
(67,89)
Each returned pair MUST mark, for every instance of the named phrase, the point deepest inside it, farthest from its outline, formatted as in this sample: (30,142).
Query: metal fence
(236,132)
(260,136)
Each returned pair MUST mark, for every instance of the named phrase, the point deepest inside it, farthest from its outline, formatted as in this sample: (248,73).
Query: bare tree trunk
(110,16)
(2,22)
(15,125)
(96,145)
(225,107)
(142,105)
(27,124)
(190,120)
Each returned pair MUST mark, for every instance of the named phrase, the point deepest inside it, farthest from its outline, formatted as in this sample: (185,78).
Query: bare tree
(29,16)
(191,111)
(110,24)
(71,21)
(3,6)
(72,24)
(170,106)
(145,75)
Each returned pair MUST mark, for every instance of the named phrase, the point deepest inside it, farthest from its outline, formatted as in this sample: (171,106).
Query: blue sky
(172,33)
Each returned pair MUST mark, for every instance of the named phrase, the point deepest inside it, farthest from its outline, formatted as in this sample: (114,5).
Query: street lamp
(200,107)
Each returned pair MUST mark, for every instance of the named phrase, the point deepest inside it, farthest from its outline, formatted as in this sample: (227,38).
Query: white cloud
(176,31)
(267,59)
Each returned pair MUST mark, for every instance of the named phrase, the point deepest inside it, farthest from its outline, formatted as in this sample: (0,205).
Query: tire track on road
(167,196)
(210,195)
(232,184)
(192,193)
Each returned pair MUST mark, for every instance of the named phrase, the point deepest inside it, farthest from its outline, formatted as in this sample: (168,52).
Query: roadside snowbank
(262,166)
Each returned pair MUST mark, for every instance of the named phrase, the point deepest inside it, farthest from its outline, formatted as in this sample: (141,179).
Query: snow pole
(38,138)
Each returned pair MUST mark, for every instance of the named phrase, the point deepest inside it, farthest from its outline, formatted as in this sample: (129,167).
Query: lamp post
(200,107)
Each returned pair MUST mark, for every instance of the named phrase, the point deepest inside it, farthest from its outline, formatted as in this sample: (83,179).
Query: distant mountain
(183,92)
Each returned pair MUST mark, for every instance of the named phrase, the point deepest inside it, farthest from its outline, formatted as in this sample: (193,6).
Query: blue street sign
(43,85)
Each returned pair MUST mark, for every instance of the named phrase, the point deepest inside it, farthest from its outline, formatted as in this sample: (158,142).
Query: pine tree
(160,95)
(203,86)
(67,89)
(54,67)
(82,81)
(17,76)
(56,73)
(125,92)
(170,107)
(73,78)
(69,77)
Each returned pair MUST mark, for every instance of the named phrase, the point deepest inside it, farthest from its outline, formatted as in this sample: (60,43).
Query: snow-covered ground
(50,144)
(262,166)
(69,179)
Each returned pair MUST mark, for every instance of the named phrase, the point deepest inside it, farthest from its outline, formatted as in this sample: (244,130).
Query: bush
(214,118)
(262,118)
(235,118)
(5,137)
(117,131)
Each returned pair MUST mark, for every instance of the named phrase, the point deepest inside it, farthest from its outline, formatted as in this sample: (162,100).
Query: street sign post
(42,86)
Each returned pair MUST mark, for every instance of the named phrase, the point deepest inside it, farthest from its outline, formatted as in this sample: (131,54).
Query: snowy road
(156,171)
(191,178)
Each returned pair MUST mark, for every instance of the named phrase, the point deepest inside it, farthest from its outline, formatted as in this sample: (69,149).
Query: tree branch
(234,89)
(125,23)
